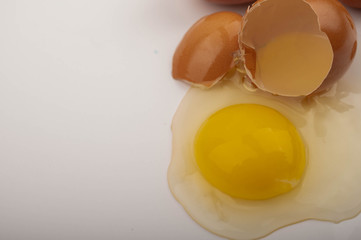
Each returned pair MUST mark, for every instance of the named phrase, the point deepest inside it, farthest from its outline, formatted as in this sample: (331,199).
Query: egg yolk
(250,151)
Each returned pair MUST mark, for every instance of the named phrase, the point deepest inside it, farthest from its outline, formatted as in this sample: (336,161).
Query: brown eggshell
(352,3)
(231,2)
(337,23)
(205,53)
(265,21)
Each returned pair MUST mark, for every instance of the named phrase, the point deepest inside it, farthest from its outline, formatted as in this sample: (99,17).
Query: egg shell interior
(268,19)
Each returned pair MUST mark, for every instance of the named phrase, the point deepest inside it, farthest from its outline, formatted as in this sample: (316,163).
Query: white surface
(86,102)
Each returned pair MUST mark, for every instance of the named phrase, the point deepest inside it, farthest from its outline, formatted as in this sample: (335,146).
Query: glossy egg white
(331,128)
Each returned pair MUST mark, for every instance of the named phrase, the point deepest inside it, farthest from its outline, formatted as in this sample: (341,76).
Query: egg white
(331,128)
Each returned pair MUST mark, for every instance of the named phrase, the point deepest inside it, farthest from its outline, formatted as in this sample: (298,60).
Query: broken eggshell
(206,51)
(338,24)
(272,18)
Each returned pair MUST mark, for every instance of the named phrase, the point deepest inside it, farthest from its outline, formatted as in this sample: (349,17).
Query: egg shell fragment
(205,53)
(268,19)
(339,26)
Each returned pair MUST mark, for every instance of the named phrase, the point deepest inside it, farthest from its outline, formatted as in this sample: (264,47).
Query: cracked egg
(258,150)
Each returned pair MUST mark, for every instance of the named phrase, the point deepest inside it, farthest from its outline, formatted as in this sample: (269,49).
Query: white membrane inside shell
(330,190)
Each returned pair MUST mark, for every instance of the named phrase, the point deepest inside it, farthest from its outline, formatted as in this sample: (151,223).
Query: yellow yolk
(250,151)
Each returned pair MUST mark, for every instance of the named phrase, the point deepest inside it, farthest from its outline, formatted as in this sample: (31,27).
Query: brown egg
(271,23)
(337,23)
(352,3)
(231,2)
(205,53)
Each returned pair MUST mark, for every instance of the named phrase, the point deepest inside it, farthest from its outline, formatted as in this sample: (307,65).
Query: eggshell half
(267,19)
(205,53)
(337,23)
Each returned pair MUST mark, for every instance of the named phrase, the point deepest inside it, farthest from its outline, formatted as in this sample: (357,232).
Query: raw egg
(314,165)
(259,150)
(206,52)
(295,47)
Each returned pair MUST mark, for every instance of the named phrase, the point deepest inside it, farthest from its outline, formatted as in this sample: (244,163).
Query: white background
(86,103)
